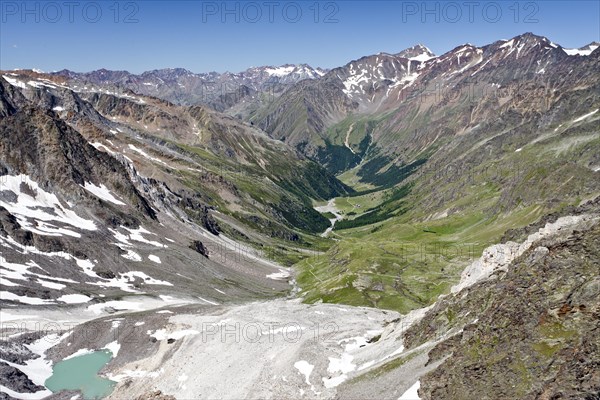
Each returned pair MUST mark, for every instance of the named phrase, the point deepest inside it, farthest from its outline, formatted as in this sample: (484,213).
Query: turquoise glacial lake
(81,373)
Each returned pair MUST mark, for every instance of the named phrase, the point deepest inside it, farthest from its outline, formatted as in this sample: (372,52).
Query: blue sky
(232,36)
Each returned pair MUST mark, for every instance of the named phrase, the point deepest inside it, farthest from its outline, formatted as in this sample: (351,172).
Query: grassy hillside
(400,248)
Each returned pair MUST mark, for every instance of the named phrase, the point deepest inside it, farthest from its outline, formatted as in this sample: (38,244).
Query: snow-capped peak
(280,71)
(302,71)
(417,53)
(583,51)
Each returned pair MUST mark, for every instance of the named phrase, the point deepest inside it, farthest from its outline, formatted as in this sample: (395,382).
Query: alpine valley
(405,226)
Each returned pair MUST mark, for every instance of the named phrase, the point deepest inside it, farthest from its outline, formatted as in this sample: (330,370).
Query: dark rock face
(199,247)
(106,274)
(16,380)
(210,224)
(228,100)
(9,98)
(38,144)
(198,210)
(14,351)
(11,227)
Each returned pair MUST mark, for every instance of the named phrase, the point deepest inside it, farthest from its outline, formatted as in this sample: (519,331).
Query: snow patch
(581,52)
(138,373)
(9,296)
(280,71)
(102,192)
(34,204)
(282,274)
(421,57)
(220,291)
(508,44)
(208,301)
(80,352)
(305,369)
(113,347)
(16,271)
(132,275)
(49,285)
(74,298)
(585,116)
(14,82)
(412,393)
(154,258)
(136,234)
(342,365)
(162,334)
(132,255)
(146,155)
(116,304)
(101,146)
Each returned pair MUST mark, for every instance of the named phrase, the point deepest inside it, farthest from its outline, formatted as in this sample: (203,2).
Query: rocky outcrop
(16,380)
(531,332)
(498,257)
(7,102)
(9,226)
(14,351)
(199,247)
(156,395)
(521,234)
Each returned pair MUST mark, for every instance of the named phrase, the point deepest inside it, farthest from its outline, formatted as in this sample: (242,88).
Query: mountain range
(443,210)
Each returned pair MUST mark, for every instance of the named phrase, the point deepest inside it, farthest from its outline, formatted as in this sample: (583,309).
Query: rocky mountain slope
(104,195)
(404,107)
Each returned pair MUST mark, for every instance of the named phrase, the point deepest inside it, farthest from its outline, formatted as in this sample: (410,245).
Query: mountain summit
(417,52)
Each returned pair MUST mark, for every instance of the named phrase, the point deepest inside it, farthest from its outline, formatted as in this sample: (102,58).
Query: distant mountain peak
(303,71)
(417,52)
(173,70)
(583,51)
(531,35)
(523,44)
(422,47)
